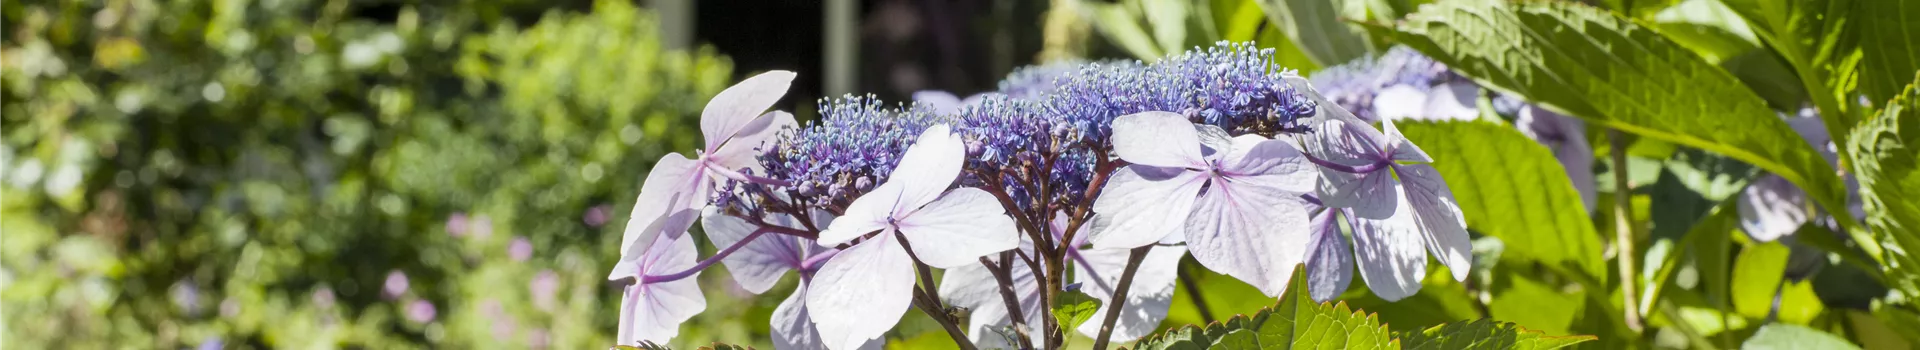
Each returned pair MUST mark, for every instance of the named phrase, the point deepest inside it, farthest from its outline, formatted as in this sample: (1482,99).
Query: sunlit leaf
(1615,73)
(1512,188)
(1886,148)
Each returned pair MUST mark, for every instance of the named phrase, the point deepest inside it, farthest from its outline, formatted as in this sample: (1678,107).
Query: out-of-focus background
(397,174)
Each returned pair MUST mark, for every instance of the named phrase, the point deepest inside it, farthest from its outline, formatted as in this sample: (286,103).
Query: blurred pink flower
(421,311)
(323,297)
(520,249)
(596,216)
(396,284)
(457,224)
(538,339)
(481,225)
(544,285)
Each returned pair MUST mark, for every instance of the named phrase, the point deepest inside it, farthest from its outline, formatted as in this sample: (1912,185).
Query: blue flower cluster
(853,147)
(1045,129)
(1353,85)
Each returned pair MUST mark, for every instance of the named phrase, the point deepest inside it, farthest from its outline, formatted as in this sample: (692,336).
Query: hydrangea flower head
(1240,197)
(735,128)
(1398,204)
(855,145)
(1401,83)
(863,290)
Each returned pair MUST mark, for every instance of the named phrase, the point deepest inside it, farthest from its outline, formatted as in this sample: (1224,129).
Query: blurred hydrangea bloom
(1401,83)
(1772,207)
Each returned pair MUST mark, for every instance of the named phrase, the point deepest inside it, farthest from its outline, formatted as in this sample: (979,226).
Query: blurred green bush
(303,173)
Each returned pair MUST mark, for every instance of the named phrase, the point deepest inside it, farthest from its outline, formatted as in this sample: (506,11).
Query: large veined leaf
(1889,46)
(1295,323)
(1609,71)
(1786,336)
(1886,149)
(1315,25)
(1486,334)
(1512,188)
(1816,38)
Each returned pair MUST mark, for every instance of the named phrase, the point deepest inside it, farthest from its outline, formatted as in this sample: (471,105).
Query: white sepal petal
(1254,234)
(861,292)
(1390,252)
(1162,139)
(959,228)
(1140,205)
(1439,216)
(675,184)
(733,109)
(759,264)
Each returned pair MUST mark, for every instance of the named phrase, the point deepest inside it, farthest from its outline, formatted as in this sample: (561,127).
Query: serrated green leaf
(1816,38)
(1886,148)
(1607,70)
(1512,188)
(1315,26)
(1073,307)
(1486,334)
(1296,322)
(1889,46)
(1786,336)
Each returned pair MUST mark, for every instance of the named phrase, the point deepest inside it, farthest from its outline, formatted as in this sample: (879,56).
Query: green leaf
(1513,188)
(1889,46)
(1295,322)
(1607,70)
(1486,334)
(1786,336)
(1756,278)
(1886,148)
(1072,308)
(1237,20)
(1707,240)
(1121,24)
(1169,21)
(1315,26)
(1534,304)
(1815,37)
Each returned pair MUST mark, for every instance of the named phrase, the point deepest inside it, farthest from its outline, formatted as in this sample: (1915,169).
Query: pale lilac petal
(759,264)
(975,288)
(675,184)
(1139,205)
(1271,164)
(1390,251)
(927,168)
(1254,234)
(1400,102)
(862,292)
(1372,194)
(1401,149)
(1567,137)
(1329,258)
(730,111)
(743,150)
(1337,135)
(1147,299)
(871,212)
(1440,218)
(1162,139)
(1214,141)
(634,262)
(1452,101)
(793,328)
(1771,208)
(654,311)
(959,228)
(941,102)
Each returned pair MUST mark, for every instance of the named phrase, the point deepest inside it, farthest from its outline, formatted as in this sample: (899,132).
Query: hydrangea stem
(1002,274)
(1119,299)
(704,263)
(928,302)
(1623,226)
